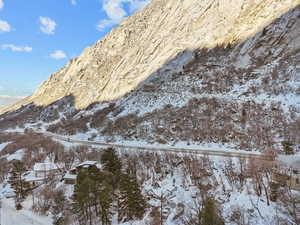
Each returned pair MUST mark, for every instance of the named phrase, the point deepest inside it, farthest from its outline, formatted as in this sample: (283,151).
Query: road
(169,149)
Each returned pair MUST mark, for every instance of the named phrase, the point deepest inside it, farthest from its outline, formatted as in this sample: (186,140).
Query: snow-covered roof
(88,163)
(45,167)
(292,161)
(18,155)
(70,176)
(30,177)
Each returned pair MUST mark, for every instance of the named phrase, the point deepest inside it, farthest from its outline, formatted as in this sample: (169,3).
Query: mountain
(143,43)
(210,75)
(224,72)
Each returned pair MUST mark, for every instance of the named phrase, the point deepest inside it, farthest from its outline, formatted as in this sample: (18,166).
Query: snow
(23,217)
(30,177)
(292,161)
(70,176)
(3,145)
(180,145)
(87,163)
(18,155)
(45,167)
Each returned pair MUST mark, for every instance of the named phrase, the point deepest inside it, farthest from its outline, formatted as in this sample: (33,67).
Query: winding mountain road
(169,149)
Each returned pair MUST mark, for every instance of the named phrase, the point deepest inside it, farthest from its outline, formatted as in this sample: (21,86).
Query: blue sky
(37,37)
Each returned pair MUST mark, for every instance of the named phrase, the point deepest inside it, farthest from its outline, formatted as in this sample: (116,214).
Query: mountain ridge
(243,95)
(131,52)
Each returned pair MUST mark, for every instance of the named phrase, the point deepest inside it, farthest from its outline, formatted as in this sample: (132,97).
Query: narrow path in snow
(171,149)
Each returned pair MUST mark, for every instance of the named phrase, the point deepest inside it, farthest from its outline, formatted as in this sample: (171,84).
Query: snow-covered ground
(3,145)
(23,217)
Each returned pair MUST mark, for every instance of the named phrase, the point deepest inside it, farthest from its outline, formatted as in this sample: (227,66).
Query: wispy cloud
(1,4)
(47,25)
(73,2)
(4,26)
(15,48)
(58,54)
(116,12)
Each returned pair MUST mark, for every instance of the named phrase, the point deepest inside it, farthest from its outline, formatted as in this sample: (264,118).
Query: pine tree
(105,198)
(82,200)
(113,165)
(111,161)
(93,196)
(18,183)
(210,213)
(131,201)
(207,214)
(288,148)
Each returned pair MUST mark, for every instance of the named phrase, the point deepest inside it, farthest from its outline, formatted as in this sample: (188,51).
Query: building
(70,178)
(87,164)
(71,175)
(44,170)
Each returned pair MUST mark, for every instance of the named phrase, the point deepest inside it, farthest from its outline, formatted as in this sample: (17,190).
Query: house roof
(45,167)
(30,177)
(291,161)
(70,176)
(87,163)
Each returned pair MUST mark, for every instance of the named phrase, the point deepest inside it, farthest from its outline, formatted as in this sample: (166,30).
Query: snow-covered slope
(244,94)
(145,42)
(23,217)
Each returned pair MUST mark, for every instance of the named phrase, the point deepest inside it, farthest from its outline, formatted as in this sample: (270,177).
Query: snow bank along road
(170,149)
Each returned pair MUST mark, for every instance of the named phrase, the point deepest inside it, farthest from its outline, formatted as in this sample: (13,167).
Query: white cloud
(116,12)
(58,54)
(4,26)
(1,4)
(47,25)
(15,48)
(73,2)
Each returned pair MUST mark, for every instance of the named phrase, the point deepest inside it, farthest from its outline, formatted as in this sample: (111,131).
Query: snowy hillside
(208,76)
(243,95)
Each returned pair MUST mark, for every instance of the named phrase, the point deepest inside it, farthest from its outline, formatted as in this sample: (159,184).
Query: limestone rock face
(181,73)
(144,42)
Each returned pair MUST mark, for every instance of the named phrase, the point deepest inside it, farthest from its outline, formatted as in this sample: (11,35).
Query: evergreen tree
(105,199)
(113,165)
(111,161)
(93,196)
(18,183)
(210,213)
(82,200)
(131,201)
(288,148)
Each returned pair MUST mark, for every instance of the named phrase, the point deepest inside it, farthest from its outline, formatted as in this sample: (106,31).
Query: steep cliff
(224,72)
(144,42)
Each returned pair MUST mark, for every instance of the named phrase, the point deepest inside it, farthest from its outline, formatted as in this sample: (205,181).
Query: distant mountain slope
(7,101)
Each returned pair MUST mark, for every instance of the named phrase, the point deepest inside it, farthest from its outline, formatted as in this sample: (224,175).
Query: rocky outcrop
(144,42)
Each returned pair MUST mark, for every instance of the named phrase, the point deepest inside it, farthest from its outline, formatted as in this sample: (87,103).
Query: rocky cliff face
(224,72)
(144,42)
